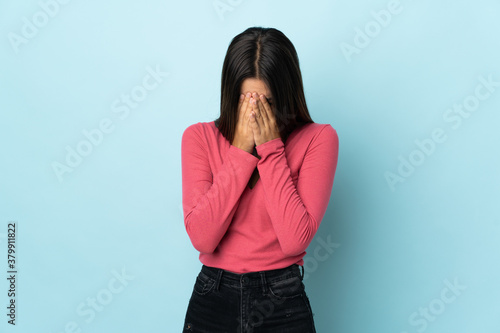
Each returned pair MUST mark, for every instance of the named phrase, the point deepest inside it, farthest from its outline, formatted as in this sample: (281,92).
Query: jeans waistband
(261,278)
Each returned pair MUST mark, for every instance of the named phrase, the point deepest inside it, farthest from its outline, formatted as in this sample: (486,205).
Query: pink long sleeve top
(269,226)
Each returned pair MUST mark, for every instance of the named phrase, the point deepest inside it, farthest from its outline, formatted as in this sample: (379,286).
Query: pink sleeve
(296,212)
(210,201)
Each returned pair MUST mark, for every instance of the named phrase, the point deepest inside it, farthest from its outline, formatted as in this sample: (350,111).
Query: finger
(253,124)
(254,110)
(267,107)
(270,117)
(263,117)
(254,104)
(258,115)
(240,101)
(245,106)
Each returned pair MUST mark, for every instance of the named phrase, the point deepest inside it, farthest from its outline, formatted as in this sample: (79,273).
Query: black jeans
(272,301)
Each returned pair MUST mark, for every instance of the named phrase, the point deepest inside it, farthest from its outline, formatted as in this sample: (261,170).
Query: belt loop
(264,283)
(302,267)
(217,281)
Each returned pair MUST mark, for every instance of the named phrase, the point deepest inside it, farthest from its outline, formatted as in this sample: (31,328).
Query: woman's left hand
(262,120)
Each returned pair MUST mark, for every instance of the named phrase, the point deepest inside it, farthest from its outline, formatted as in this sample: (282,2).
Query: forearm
(210,206)
(296,211)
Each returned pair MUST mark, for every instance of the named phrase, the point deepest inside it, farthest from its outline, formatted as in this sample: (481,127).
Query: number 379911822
(11,247)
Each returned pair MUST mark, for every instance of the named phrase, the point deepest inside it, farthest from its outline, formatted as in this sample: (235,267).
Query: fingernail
(255,95)
(242,96)
(248,95)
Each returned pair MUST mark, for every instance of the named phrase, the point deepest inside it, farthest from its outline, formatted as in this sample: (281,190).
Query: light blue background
(120,208)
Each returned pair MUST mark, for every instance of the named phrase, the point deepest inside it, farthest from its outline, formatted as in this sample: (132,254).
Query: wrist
(248,150)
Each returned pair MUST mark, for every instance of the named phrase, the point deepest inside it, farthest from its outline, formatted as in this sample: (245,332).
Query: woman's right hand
(243,134)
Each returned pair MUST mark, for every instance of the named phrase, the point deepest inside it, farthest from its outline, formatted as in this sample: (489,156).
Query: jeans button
(245,279)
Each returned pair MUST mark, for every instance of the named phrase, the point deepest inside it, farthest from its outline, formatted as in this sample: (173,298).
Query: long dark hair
(265,54)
